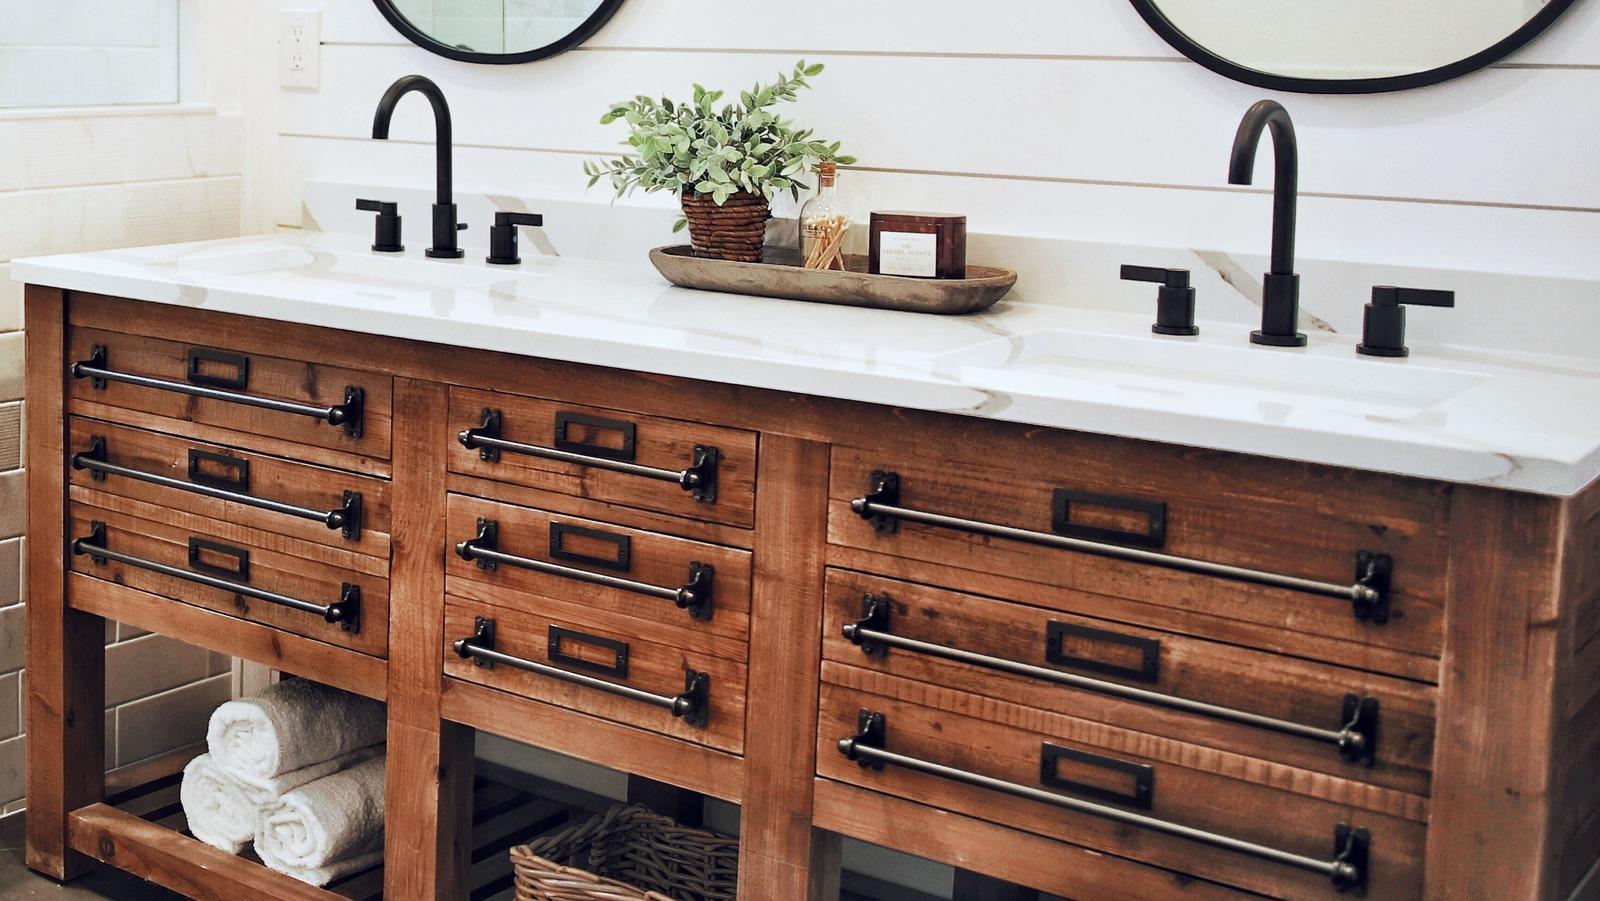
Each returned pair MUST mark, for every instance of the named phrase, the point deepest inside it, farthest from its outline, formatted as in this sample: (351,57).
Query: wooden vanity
(1098,667)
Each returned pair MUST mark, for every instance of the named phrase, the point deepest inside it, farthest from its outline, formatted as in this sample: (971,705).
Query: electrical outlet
(299,48)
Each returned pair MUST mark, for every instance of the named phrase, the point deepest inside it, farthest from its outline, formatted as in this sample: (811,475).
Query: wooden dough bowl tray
(782,276)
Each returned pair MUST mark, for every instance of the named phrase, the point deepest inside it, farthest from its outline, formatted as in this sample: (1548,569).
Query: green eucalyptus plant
(696,148)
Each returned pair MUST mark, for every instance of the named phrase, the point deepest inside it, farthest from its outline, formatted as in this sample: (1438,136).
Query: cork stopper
(827,172)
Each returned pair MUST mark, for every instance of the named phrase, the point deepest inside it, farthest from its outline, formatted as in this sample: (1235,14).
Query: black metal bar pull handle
(1347,869)
(694,595)
(346,517)
(349,414)
(1368,593)
(693,706)
(346,612)
(699,479)
(1356,737)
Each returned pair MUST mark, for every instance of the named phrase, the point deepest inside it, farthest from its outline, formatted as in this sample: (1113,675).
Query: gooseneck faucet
(1280,289)
(444,208)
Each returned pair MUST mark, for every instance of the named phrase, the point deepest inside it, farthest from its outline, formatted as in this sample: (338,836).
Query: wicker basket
(627,853)
(732,231)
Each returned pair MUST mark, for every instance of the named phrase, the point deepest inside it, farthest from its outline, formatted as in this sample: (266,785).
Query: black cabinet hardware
(346,517)
(347,414)
(700,479)
(1347,869)
(386,228)
(195,369)
(1356,737)
(503,236)
(1141,794)
(1154,513)
(694,595)
(346,612)
(560,638)
(1368,594)
(1148,670)
(621,558)
(693,706)
(200,548)
(1383,322)
(1174,301)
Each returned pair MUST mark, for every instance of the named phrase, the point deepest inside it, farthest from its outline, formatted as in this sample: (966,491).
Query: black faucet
(444,207)
(1280,289)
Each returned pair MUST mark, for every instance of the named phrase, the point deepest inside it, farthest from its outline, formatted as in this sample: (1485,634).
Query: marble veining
(1515,420)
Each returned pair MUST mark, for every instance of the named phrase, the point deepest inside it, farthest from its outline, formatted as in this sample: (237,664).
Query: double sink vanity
(1032,592)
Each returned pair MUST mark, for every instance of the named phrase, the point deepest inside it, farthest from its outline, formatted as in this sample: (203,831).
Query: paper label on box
(907,253)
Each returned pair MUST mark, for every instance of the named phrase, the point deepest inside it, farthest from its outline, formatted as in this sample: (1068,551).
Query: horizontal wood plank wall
(1090,100)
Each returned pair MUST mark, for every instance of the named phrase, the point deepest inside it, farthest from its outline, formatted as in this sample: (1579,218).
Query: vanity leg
(66,648)
(780,854)
(428,810)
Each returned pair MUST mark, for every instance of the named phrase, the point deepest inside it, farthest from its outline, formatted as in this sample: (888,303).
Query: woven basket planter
(732,231)
(627,853)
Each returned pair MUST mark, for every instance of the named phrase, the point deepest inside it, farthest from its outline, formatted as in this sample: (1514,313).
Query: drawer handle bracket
(346,612)
(694,595)
(692,706)
(699,479)
(1356,740)
(346,517)
(1369,594)
(349,414)
(1347,869)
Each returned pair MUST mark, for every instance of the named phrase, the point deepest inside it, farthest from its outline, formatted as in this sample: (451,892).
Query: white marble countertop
(1521,421)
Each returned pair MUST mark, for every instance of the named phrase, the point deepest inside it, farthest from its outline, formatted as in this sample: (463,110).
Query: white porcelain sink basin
(1217,372)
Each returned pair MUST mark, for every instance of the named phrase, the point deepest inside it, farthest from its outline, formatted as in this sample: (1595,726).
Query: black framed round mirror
(1350,47)
(497,31)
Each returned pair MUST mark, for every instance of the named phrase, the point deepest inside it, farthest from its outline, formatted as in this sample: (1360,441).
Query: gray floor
(17,882)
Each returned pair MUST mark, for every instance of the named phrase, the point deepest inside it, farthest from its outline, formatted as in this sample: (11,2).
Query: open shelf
(141,829)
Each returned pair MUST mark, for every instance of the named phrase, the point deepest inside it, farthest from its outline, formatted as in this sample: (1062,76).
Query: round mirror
(497,31)
(1351,46)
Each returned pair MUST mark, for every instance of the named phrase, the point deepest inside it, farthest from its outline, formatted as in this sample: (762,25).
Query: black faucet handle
(1389,296)
(1172,278)
(503,236)
(1383,323)
(386,229)
(513,219)
(1174,300)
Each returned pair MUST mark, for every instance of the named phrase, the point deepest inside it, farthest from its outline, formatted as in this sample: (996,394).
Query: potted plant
(724,164)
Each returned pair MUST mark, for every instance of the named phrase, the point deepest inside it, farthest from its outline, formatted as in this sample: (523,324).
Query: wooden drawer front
(246,488)
(1270,529)
(1048,755)
(573,550)
(711,689)
(607,437)
(313,575)
(1104,656)
(241,379)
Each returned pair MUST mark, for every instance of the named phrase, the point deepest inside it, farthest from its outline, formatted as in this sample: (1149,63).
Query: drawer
(277,398)
(524,558)
(311,503)
(1125,794)
(338,597)
(1283,556)
(588,664)
(605,455)
(1328,719)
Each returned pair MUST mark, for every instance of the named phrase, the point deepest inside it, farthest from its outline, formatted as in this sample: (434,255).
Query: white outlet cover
(300,48)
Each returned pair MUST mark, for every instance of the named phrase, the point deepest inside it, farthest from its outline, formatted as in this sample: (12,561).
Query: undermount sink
(359,269)
(1181,368)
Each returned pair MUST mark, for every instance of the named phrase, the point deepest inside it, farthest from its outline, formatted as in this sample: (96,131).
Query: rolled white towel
(262,792)
(328,828)
(292,725)
(218,807)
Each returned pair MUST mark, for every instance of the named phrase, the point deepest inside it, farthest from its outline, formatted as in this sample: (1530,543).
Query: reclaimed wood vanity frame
(1486,663)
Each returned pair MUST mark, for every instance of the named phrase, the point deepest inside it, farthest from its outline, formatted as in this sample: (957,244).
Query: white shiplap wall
(1052,118)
